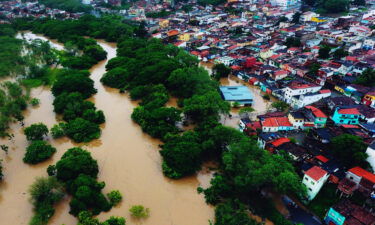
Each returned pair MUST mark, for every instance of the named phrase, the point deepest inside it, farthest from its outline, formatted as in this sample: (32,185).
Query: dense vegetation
(36,132)
(78,171)
(139,211)
(210,2)
(13,101)
(10,49)
(328,6)
(38,151)
(45,192)
(350,150)
(67,5)
(367,78)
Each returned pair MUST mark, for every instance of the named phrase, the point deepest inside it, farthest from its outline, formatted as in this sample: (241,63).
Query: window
(341,121)
(306,178)
(351,178)
(312,182)
(310,189)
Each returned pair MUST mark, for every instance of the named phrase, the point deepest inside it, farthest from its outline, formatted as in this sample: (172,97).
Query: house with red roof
(314,117)
(363,179)
(314,179)
(275,124)
(369,99)
(357,179)
(346,115)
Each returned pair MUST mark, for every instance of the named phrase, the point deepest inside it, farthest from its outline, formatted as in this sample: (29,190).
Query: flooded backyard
(128,160)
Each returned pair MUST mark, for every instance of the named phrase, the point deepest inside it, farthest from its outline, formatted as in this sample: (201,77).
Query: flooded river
(128,160)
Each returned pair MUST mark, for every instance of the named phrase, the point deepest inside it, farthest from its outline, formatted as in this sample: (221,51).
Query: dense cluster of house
(18,9)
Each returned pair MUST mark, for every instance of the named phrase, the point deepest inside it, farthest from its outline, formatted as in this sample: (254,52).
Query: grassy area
(326,198)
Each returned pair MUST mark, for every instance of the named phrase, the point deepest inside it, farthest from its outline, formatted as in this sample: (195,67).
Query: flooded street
(128,160)
(260,105)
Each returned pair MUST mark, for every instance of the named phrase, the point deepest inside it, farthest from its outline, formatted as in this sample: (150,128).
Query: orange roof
(280,141)
(322,158)
(324,91)
(363,173)
(316,173)
(317,112)
(172,33)
(276,122)
(351,111)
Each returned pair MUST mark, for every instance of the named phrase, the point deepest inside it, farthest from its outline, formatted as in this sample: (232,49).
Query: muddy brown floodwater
(128,160)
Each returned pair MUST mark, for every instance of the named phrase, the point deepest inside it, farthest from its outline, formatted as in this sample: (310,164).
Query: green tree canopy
(73,82)
(81,130)
(220,70)
(74,162)
(181,155)
(38,151)
(324,52)
(200,107)
(367,78)
(350,150)
(188,81)
(36,132)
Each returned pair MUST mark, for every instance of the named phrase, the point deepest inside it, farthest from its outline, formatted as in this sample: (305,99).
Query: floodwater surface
(128,160)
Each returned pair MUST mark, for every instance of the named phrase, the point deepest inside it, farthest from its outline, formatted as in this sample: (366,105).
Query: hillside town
(317,70)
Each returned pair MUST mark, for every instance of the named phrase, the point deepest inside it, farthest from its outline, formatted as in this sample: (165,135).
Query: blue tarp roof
(236,93)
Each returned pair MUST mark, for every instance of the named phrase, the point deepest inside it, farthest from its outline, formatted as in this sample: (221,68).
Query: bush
(73,81)
(139,211)
(57,130)
(114,197)
(44,192)
(87,195)
(51,170)
(36,132)
(74,162)
(266,97)
(38,151)
(34,102)
(81,130)
(115,78)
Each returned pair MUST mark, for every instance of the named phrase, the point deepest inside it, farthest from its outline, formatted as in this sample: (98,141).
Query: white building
(371,155)
(314,180)
(307,16)
(226,60)
(300,101)
(283,3)
(299,89)
(369,43)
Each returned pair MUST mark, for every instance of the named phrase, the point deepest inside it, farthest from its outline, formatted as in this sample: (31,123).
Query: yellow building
(318,20)
(164,23)
(184,37)
(266,54)
(339,89)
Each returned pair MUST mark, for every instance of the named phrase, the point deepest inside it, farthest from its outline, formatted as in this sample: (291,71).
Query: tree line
(72,85)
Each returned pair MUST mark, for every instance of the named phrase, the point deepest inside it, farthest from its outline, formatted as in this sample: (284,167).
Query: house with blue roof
(240,94)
